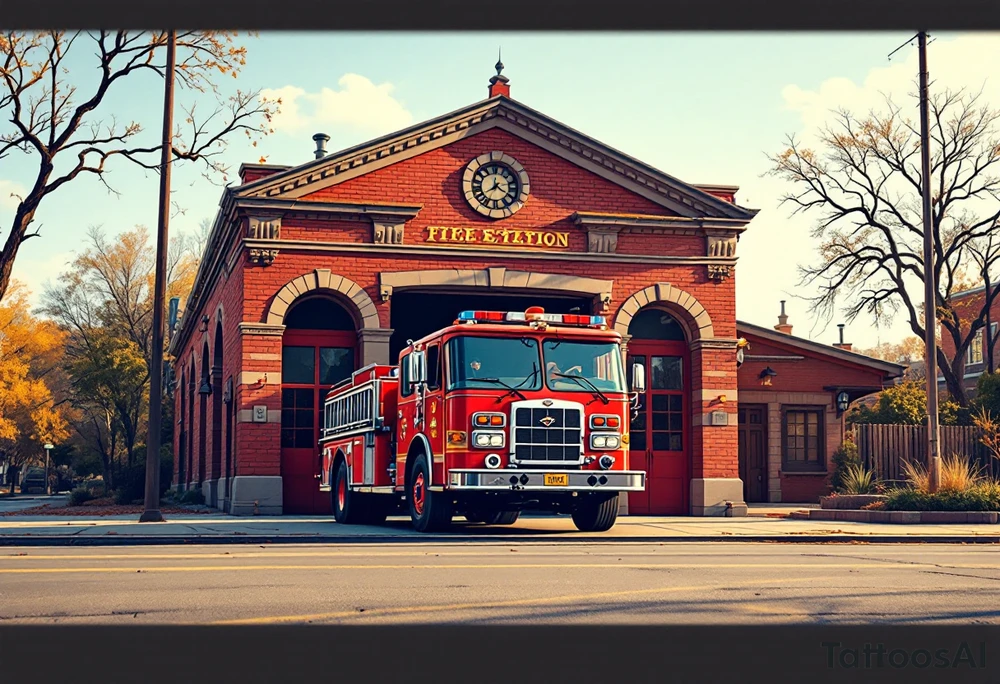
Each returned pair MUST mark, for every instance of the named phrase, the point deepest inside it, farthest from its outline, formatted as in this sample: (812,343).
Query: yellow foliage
(29,347)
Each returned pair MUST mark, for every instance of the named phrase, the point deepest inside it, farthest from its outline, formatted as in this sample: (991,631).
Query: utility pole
(152,503)
(930,286)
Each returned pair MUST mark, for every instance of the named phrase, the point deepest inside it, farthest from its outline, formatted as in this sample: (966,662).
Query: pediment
(676,197)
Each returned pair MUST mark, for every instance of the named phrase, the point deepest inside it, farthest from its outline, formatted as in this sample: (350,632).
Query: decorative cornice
(260,329)
(465,252)
(381,210)
(714,343)
(668,223)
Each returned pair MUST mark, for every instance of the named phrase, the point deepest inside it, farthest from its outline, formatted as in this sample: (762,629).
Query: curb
(203,540)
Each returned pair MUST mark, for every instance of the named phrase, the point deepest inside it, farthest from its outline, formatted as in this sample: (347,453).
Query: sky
(702,107)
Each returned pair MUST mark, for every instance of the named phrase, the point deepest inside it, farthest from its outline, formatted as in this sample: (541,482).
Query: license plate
(556,480)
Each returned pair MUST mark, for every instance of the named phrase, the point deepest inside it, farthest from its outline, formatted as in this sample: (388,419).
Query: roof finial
(499,83)
(499,64)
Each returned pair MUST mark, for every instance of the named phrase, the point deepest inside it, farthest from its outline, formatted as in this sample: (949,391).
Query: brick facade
(967,306)
(348,225)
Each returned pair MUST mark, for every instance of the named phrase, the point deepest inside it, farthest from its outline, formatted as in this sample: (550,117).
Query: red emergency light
(535,313)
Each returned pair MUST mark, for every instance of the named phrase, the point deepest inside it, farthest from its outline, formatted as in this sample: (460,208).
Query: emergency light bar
(532,314)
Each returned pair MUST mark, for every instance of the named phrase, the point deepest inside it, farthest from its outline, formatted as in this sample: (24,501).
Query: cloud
(7,191)
(778,242)
(358,105)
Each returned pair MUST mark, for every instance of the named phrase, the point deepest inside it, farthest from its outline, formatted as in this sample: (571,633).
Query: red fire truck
(494,414)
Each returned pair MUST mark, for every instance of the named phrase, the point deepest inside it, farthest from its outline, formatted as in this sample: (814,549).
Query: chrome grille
(547,434)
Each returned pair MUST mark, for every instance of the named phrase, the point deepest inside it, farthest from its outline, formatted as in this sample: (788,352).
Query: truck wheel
(596,514)
(501,517)
(429,511)
(348,509)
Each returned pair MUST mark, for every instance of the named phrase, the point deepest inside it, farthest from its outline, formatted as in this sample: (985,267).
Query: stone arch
(359,304)
(496,278)
(690,313)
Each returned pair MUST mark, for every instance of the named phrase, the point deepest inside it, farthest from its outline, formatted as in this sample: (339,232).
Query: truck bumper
(483,480)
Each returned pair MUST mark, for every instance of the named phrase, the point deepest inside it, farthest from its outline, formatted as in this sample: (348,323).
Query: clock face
(495,185)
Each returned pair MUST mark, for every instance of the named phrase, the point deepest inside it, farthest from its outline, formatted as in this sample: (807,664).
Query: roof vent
(321,140)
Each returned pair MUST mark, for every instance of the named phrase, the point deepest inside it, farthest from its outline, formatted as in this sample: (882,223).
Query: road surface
(589,583)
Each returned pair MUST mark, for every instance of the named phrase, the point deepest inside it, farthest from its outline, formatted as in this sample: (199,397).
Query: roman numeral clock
(495,185)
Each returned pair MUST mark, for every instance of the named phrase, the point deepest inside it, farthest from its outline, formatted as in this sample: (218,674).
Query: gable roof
(893,370)
(680,198)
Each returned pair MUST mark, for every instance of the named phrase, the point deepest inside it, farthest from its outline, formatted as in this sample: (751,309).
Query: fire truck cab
(497,413)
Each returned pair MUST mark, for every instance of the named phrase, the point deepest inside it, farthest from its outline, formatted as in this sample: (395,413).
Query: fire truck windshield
(597,364)
(493,361)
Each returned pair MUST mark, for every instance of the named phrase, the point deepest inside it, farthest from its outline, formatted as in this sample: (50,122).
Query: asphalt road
(503,583)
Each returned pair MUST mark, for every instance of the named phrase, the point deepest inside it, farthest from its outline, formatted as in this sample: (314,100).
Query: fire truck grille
(547,435)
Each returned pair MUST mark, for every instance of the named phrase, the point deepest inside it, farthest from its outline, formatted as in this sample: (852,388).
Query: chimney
(846,346)
(783,321)
(499,84)
(321,140)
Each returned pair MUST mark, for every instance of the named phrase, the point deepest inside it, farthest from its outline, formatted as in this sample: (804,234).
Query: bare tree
(45,117)
(865,183)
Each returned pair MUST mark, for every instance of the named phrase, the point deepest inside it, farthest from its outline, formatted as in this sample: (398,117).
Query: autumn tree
(863,182)
(30,349)
(903,404)
(104,304)
(66,129)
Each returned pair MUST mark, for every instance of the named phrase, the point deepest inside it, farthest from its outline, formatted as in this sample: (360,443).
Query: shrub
(981,497)
(958,474)
(916,476)
(844,457)
(858,480)
(79,496)
(193,496)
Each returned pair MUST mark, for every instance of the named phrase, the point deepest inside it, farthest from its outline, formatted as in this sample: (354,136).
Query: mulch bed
(101,508)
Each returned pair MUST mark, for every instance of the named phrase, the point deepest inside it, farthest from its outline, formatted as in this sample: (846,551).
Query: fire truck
(497,413)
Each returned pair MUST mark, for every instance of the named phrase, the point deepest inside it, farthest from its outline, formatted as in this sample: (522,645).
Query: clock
(495,185)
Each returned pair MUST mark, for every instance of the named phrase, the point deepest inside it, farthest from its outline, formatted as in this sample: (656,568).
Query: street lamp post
(48,450)
(151,512)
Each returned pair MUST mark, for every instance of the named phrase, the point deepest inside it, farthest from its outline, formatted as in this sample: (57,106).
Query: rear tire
(596,514)
(429,511)
(348,507)
(502,517)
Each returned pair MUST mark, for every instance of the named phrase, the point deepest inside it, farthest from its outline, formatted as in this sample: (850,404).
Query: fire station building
(316,270)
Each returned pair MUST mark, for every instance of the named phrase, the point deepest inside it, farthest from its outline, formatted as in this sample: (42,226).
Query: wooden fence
(884,448)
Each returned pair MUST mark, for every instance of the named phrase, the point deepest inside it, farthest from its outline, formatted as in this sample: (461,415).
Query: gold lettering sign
(499,236)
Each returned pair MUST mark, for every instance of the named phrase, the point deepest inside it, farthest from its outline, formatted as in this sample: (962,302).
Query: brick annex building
(313,271)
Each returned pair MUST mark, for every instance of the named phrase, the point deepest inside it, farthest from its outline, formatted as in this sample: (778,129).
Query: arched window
(655,324)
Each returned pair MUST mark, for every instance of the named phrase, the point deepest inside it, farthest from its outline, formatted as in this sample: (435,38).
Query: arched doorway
(660,435)
(318,350)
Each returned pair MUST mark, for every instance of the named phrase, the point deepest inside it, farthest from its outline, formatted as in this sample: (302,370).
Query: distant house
(968,304)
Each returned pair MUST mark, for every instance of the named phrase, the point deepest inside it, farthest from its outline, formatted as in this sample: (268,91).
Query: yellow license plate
(556,480)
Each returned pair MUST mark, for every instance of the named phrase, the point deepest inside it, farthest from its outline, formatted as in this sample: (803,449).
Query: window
(433,370)
(975,353)
(406,389)
(803,441)
(599,364)
(298,365)
(335,364)
(478,362)
(297,416)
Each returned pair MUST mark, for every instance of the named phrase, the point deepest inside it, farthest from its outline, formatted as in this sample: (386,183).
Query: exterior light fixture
(206,387)
(766,375)
(204,324)
(843,401)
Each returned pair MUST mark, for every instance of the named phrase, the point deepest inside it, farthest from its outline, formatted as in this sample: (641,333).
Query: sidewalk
(51,530)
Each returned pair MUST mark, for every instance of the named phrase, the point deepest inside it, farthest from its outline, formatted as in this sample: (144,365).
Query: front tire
(429,511)
(596,514)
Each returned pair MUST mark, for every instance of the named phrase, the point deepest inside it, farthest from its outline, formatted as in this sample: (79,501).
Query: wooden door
(659,435)
(312,362)
(753,452)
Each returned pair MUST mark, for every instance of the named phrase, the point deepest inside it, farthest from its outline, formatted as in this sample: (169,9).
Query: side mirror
(638,378)
(417,368)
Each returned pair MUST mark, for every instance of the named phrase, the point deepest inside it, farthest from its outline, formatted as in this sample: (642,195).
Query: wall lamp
(206,387)
(843,401)
(766,375)
(204,324)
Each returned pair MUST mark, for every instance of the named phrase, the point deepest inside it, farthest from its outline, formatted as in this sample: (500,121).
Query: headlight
(605,441)
(487,438)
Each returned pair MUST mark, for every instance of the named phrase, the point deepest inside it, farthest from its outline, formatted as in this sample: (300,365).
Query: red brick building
(793,393)
(315,270)
(968,305)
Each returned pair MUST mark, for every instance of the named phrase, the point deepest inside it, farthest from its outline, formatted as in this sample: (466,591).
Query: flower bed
(849,501)
(103,507)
